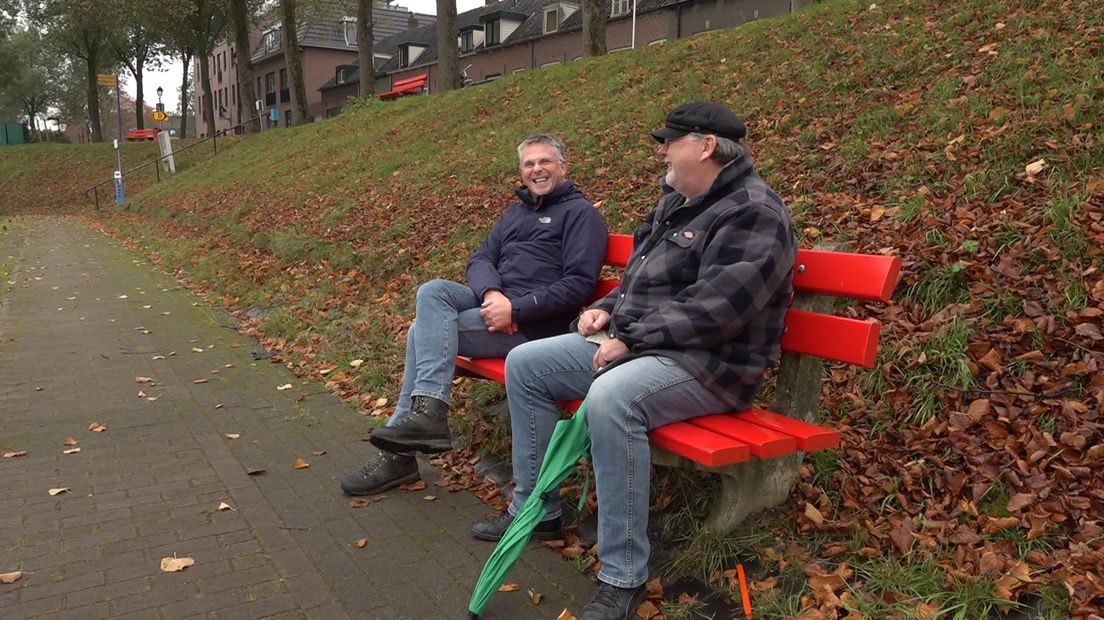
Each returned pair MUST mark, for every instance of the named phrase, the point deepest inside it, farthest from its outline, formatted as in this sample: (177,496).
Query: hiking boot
(492,529)
(424,429)
(387,471)
(613,603)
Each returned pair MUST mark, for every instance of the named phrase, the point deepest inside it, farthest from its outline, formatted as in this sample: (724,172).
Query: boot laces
(607,597)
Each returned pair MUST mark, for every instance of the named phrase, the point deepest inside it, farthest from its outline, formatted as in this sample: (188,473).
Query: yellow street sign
(160,116)
(106,79)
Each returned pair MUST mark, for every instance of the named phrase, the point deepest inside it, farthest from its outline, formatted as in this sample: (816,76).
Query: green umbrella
(569,442)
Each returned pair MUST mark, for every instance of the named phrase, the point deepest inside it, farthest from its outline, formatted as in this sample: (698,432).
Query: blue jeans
(446,324)
(625,402)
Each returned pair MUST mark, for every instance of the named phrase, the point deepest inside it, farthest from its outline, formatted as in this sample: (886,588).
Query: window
(287,118)
(404,56)
(270,89)
(271,40)
(233,58)
(551,19)
(285,91)
(494,32)
(234,94)
(620,7)
(348,24)
(409,54)
(467,41)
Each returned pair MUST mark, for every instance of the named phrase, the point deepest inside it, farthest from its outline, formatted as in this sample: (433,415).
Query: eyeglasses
(543,163)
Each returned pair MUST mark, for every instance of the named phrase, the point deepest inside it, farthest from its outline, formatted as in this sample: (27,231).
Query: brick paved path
(80,319)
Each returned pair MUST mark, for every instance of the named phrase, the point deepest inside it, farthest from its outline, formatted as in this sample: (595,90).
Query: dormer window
(271,40)
(349,27)
(620,7)
(493,31)
(409,53)
(554,16)
(470,38)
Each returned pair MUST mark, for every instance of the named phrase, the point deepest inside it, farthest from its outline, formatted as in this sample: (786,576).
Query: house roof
(323,28)
(529,12)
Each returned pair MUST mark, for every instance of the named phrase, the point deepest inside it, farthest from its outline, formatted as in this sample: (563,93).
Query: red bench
(141,135)
(414,85)
(738,444)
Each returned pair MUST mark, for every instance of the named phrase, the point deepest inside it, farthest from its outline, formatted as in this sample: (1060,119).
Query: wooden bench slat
(809,437)
(763,442)
(699,444)
(842,274)
(831,337)
(489,367)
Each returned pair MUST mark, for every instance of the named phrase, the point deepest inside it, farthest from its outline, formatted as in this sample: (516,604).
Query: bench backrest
(866,277)
(410,81)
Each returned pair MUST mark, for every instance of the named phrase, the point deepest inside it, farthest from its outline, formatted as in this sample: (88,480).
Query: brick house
(511,36)
(327,39)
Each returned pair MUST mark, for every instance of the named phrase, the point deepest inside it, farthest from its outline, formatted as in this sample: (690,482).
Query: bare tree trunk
(204,78)
(594,27)
(300,113)
(448,56)
(247,93)
(187,57)
(365,50)
(94,99)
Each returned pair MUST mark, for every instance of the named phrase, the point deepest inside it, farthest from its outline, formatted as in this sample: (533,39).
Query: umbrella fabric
(569,442)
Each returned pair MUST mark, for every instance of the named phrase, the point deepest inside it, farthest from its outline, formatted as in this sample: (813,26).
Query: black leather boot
(386,471)
(424,429)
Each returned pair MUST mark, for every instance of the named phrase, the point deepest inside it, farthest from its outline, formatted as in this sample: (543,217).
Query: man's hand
(607,352)
(592,321)
(497,312)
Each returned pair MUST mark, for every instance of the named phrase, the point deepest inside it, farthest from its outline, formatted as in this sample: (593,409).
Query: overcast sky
(170,76)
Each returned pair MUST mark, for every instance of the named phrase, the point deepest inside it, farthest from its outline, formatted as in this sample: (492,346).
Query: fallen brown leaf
(566,615)
(198,381)
(59,490)
(69,441)
(172,565)
(256,471)
(509,587)
(71,451)
(96,427)
(318,452)
(14,455)
(11,577)
(430,498)
(232,435)
(225,506)
(535,597)
(300,464)
(361,543)
(417,485)
(358,502)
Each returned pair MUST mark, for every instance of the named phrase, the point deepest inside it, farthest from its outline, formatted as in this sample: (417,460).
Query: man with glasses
(695,322)
(528,279)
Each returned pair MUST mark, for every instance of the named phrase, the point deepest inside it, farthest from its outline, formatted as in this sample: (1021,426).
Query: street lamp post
(160,106)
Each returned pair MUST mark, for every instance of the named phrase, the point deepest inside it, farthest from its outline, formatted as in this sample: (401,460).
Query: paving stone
(149,486)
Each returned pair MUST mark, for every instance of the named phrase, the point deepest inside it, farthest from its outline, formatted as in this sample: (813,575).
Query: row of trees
(52,50)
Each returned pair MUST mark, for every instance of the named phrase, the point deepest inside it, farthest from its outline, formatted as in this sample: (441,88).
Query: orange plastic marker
(744,590)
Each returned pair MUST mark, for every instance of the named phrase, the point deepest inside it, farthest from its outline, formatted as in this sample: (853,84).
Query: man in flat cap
(695,322)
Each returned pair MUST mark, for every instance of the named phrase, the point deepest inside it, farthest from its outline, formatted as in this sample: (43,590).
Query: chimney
(411,21)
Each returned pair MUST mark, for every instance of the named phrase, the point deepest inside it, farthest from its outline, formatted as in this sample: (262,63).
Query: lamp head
(160,91)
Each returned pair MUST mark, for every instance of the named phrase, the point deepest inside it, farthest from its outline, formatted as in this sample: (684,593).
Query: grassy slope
(971,454)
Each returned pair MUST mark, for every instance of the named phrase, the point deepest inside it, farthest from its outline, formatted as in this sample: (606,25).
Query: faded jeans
(625,402)
(447,324)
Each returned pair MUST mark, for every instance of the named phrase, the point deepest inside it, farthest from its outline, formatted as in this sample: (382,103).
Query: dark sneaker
(613,603)
(387,471)
(492,529)
(424,429)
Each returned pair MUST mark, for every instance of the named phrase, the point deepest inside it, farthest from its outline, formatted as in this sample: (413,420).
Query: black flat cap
(701,117)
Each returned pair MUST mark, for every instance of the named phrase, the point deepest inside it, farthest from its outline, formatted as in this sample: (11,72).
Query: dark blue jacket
(544,254)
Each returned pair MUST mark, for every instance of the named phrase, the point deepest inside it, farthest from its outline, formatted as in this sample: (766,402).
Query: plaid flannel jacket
(708,283)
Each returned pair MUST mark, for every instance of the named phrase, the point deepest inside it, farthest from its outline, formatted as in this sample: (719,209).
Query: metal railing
(95,189)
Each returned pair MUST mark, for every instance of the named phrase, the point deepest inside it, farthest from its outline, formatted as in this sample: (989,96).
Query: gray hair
(726,150)
(546,139)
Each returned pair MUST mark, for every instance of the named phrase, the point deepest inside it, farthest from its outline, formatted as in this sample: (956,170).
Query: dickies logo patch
(544,219)
(688,234)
